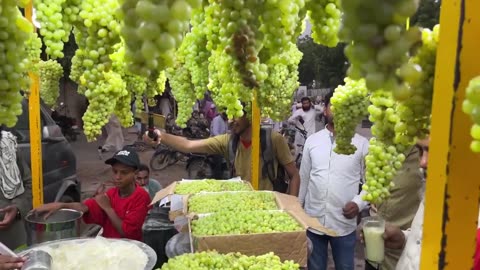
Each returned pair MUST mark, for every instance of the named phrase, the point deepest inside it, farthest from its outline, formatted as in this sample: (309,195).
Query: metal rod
(35,129)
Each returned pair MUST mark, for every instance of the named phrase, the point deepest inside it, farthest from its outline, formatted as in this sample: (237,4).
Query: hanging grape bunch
(349,106)
(50,72)
(324,16)
(381,43)
(14,33)
(152,31)
(414,108)
(471,106)
(55,26)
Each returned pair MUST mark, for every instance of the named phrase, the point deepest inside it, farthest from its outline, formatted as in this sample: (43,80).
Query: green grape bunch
(349,106)
(180,81)
(471,106)
(55,26)
(152,31)
(50,72)
(34,49)
(244,222)
(382,163)
(215,260)
(325,17)
(231,201)
(415,105)
(102,102)
(14,32)
(380,43)
(210,185)
(274,96)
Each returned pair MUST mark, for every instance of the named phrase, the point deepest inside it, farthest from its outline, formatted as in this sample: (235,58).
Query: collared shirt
(219,126)
(328,180)
(309,118)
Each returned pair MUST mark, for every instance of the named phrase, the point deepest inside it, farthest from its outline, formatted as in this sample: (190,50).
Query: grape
(325,18)
(274,96)
(34,49)
(50,72)
(210,185)
(244,222)
(380,44)
(382,162)
(415,101)
(180,81)
(14,33)
(102,101)
(471,106)
(152,30)
(231,201)
(214,260)
(55,26)
(349,106)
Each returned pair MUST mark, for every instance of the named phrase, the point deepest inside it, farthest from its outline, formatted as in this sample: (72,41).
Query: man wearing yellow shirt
(242,158)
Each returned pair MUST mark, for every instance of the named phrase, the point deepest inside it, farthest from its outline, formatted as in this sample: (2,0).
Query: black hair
(305,99)
(143,167)
(327,98)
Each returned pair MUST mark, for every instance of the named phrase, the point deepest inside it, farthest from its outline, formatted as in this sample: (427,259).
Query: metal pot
(62,224)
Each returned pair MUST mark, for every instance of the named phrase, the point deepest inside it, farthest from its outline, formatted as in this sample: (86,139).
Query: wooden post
(255,176)
(452,196)
(35,129)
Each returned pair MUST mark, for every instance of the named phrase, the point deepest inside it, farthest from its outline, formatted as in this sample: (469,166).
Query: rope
(10,181)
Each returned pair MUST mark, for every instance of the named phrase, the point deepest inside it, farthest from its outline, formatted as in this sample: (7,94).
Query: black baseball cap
(125,156)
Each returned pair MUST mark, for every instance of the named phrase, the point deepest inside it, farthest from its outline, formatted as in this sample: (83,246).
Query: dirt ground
(92,172)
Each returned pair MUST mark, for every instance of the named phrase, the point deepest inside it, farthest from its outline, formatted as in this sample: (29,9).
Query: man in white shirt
(219,125)
(329,185)
(304,118)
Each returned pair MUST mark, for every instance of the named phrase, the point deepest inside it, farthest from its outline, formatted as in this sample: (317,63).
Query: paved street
(92,172)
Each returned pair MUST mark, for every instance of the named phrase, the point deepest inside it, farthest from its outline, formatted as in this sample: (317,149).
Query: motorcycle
(199,166)
(68,125)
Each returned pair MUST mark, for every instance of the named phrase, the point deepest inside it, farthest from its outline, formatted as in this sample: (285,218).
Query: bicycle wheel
(160,161)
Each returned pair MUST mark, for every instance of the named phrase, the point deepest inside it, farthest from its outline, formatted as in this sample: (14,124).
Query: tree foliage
(327,66)
(428,14)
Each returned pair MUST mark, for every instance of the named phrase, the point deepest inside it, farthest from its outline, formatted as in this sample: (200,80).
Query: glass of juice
(373,229)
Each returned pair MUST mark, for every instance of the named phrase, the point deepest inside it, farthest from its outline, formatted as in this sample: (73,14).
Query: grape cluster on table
(209,185)
(232,201)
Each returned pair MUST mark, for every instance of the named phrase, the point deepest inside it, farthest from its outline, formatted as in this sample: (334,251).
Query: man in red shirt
(121,211)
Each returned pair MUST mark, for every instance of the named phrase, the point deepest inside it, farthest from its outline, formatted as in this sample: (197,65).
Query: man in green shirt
(242,167)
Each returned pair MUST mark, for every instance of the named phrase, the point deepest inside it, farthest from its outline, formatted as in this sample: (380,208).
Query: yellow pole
(255,142)
(452,195)
(35,129)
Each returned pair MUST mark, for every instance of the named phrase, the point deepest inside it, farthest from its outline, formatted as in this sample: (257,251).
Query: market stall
(411,81)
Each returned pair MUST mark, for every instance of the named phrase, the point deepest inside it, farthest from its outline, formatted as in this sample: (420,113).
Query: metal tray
(151,255)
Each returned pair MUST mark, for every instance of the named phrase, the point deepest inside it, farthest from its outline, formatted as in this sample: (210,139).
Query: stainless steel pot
(62,224)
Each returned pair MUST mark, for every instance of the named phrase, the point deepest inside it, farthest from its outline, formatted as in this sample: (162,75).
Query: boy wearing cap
(121,211)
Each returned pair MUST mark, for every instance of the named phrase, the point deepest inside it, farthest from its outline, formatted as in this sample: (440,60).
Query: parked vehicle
(199,166)
(303,132)
(68,125)
(60,181)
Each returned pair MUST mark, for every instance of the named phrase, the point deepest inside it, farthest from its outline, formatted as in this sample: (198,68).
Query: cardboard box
(168,191)
(286,245)
(182,208)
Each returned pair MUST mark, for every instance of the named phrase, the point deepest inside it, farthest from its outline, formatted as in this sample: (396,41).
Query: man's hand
(150,141)
(350,210)
(10,212)
(48,209)
(10,263)
(394,237)
(103,201)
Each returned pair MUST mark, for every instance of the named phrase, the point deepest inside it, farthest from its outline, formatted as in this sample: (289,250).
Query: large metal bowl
(151,255)
(63,224)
